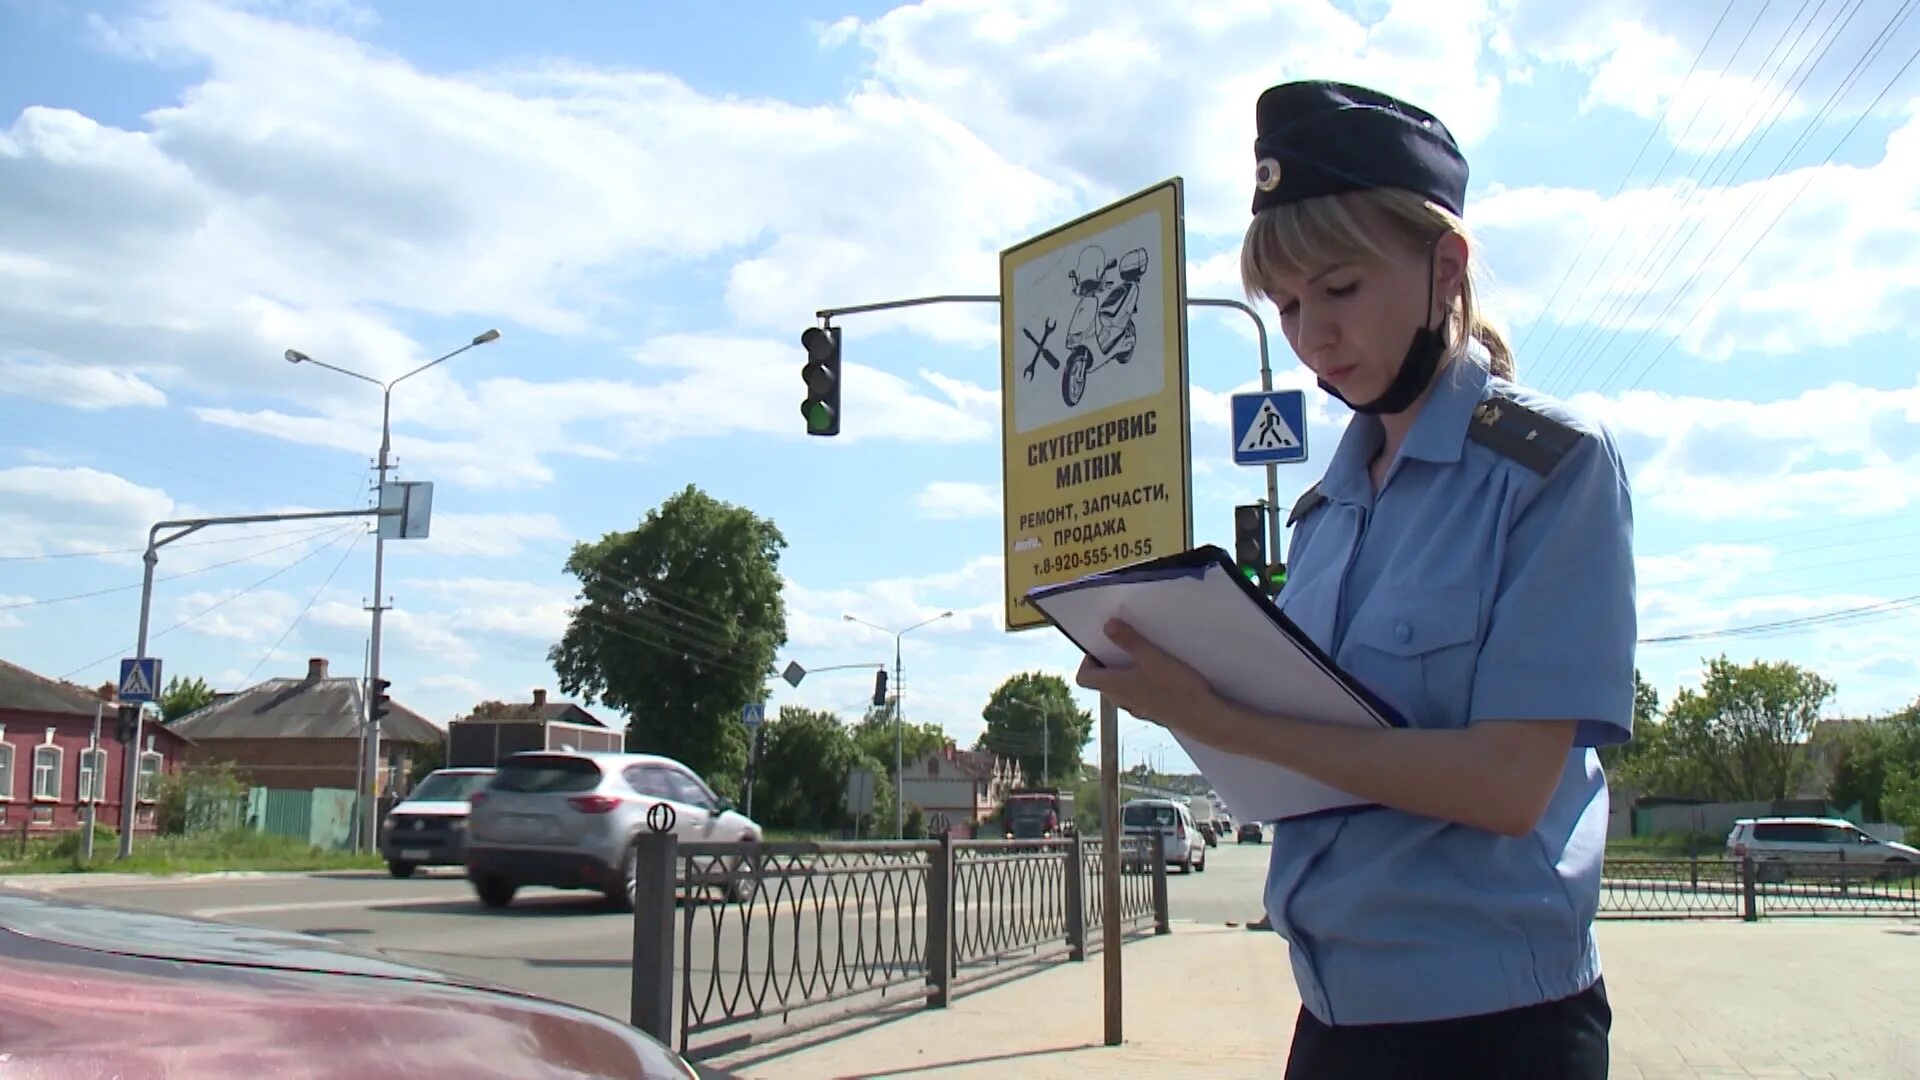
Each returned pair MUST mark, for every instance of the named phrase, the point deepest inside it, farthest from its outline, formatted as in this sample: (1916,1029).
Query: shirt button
(1402,632)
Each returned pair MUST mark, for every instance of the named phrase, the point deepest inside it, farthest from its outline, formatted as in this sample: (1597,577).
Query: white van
(1817,846)
(1180,841)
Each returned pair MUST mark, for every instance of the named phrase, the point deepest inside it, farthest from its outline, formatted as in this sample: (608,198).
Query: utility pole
(129,781)
(899,696)
(99,781)
(370,751)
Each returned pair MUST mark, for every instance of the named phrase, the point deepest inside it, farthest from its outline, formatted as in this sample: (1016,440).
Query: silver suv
(568,819)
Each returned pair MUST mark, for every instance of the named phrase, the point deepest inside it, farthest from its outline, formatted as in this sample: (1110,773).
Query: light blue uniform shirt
(1471,588)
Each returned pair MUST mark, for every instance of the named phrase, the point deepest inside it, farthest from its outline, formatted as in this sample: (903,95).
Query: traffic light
(1250,541)
(880,688)
(822,376)
(382,702)
(1276,579)
(127,719)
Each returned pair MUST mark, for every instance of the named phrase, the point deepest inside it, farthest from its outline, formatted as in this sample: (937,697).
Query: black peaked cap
(1325,138)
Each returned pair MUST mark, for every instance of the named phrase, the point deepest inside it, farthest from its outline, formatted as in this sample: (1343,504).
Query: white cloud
(1017,76)
(534,615)
(46,510)
(1712,75)
(1715,271)
(1840,450)
(489,535)
(951,499)
(258,616)
(87,388)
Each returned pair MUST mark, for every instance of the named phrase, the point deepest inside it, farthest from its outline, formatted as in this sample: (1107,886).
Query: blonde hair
(1301,237)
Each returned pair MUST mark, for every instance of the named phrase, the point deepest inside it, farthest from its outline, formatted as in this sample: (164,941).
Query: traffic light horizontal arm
(918,301)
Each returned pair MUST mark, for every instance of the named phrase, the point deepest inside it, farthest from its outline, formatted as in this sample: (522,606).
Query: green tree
(873,735)
(1743,734)
(677,625)
(426,758)
(802,779)
(1647,760)
(1875,757)
(1032,718)
(183,696)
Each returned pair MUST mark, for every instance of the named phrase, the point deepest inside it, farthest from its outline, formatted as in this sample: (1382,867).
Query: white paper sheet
(1208,620)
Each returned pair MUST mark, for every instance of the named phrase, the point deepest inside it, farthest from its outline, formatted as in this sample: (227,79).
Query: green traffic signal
(822,376)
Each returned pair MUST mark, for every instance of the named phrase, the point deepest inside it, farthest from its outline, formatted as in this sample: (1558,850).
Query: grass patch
(1668,846)
(197,853)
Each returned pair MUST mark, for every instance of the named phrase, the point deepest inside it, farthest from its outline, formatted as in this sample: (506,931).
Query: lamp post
(899,694)
(371,746)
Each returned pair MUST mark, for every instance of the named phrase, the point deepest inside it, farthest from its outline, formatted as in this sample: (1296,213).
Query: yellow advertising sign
(1095,440)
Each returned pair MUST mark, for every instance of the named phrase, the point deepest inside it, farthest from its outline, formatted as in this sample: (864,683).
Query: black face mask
(1416,368)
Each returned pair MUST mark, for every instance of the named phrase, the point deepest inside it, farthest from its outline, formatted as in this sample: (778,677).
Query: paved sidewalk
(1831,998)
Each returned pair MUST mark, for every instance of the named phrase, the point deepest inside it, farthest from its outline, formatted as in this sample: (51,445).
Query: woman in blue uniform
(1468,555)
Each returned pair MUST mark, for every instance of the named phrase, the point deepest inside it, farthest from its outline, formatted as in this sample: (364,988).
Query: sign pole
(129,783)
(1110,866)
(129,757)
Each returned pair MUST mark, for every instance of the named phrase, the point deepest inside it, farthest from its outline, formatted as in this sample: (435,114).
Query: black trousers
(1556,1040)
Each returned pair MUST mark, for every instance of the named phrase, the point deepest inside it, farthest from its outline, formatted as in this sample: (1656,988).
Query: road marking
(317,905)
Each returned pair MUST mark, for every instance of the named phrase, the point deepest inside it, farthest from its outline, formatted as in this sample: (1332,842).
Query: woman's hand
(1155,686)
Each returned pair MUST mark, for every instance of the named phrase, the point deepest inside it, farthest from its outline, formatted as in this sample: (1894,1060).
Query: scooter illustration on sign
(1101,328)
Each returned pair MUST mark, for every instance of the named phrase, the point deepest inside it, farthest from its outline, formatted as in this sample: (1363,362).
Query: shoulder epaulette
(1514,431)
(1305,505)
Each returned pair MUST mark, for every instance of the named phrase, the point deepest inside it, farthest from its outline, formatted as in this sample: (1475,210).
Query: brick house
(47,769)
(960,787)
(301,734)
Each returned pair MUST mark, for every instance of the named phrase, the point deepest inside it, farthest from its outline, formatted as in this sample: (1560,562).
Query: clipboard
(1198,606)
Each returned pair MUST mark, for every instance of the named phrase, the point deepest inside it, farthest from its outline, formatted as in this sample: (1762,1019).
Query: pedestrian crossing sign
(140,680)
(1270,427)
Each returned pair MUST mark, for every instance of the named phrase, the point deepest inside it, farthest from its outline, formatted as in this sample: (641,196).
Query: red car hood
(89,990)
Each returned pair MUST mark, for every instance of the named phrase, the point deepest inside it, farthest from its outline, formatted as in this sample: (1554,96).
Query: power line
(247,679)
(1713,171)
(100,553)
(1839,615)
(1594,229)
(1673,148)
(126,649)
(1806,180)
(1757,190)
(158,581)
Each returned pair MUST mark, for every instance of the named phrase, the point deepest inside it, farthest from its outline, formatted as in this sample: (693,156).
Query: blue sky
(1713,249)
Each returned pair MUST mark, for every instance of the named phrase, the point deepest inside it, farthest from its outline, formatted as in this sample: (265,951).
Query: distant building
(49,766)
(301,734)
(958,787)
(496,729)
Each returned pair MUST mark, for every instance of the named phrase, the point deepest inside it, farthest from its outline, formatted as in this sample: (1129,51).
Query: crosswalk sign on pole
(1270,427)
(753,714)
(140,680)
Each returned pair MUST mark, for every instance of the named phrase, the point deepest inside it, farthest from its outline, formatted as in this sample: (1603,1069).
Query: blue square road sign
(1270,427)
(140,680)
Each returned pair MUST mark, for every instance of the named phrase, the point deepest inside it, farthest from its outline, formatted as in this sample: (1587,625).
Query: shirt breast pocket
(1418,651)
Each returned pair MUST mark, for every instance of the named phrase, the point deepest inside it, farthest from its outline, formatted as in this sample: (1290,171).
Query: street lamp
(371,747)
(899,800)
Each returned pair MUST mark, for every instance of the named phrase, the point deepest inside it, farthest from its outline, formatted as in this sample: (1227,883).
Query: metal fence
(727,934)
(1725,887)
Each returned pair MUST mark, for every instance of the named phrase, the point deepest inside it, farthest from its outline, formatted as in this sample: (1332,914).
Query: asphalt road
(567,945)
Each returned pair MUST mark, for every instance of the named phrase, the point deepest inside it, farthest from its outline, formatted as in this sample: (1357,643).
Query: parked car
(1180,841)
(429,826)
(1817,846)
(569,819)
(1251,830)
(93,990)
